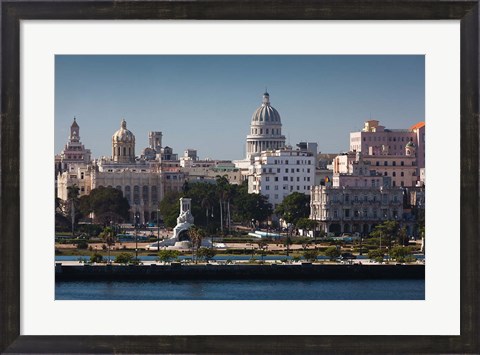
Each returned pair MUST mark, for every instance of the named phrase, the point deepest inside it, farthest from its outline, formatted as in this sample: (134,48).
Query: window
(136,194)
(401,173)
(276,178)
(145,194)
(394,174)
(291,178)
(347,197)
(286,170)
(298,178)
(267,178)
(285,178)
(335,214)
(377,163)
(402,163)
(347,213)
(394,163)
(308,170)
(267,187)
(385,163)
(276,187)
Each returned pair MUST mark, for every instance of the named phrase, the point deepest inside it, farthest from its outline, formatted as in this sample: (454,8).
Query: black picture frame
(12,12)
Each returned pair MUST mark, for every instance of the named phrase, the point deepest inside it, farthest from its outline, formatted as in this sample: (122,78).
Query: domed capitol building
(265,130)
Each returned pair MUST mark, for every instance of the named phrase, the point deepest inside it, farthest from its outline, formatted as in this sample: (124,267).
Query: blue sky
(206,102)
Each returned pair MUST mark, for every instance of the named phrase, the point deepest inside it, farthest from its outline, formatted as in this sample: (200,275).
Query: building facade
(401,169)
(355,202)
(140,179)
(74,151)
(278,173)
(375,139)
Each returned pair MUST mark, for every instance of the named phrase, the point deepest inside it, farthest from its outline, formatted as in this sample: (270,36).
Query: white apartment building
(278,173)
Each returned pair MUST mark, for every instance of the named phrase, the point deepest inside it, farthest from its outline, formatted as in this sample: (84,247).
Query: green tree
(376,254)
(124,258)
(167,255)
(108,236)
(206,254)
(250,207)
(294,207)
(310,255)
(400,253)
(332,252)
(107,204)
(386,231)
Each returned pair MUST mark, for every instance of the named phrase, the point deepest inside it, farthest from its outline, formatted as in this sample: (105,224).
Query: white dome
(123,134)
(266,113)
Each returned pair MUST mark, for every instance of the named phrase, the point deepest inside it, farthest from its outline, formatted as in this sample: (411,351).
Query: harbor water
(242,290)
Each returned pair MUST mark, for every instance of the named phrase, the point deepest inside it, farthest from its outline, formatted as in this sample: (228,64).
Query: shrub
(399,253)
(124,258)
(96,258)
(166,255)
(206,254)
(82,244)
(332,252)
(375,253)
(310,255)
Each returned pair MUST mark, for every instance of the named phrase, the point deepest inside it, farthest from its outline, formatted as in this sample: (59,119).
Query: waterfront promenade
(177,271)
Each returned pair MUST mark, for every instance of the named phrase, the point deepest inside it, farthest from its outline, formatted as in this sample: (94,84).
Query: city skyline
(206,102)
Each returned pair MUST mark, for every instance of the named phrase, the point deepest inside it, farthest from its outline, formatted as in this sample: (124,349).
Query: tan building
(142,180)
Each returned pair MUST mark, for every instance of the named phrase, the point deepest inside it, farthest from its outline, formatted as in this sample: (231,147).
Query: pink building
(374,139)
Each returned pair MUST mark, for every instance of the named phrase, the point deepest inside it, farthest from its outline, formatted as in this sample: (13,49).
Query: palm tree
(224,195)
(196,235)
(108,235)
(72,198)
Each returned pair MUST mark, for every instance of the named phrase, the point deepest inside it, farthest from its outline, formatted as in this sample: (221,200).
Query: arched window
(136,195)
(124,151)
(127,194)
(145,194)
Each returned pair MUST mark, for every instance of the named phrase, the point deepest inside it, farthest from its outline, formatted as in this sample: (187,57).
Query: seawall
(275,271)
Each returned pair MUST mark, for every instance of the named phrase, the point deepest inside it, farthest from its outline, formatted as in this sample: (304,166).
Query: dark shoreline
(213,272)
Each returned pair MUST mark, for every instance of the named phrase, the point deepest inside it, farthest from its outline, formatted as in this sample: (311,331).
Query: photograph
(239,177)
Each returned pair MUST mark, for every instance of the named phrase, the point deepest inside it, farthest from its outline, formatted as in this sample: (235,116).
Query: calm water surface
(242,290)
